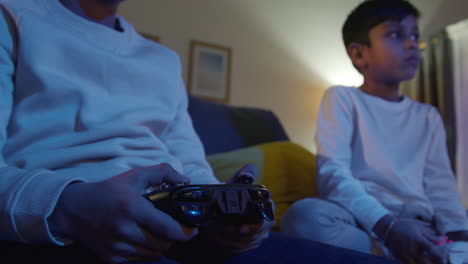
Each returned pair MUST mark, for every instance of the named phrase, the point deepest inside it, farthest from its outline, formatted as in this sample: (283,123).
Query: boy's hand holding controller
(113,219)
(413,241)
(233,217)
(234,239)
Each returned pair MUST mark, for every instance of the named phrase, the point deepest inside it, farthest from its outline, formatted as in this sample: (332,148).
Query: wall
(285,52)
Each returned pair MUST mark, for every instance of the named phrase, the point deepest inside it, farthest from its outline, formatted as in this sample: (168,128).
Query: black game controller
(194,205)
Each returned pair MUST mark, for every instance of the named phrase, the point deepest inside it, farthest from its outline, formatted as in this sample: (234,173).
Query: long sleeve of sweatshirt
(80,101)
(27,197)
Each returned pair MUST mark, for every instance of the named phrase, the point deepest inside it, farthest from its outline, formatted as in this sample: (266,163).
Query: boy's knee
(306,215)
(323,221)
(310,208)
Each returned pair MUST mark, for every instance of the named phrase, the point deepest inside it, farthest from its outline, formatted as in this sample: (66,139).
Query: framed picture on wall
(151,37)
(209,71)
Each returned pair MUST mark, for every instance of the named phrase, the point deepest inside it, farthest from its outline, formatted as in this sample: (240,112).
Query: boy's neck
(78,8)
(387,91)
(98,10)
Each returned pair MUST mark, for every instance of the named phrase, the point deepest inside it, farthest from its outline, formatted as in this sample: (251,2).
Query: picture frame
(151,37)
(209,71)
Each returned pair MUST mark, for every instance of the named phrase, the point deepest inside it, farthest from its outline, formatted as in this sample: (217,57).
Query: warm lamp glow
(344,76)
(315,41)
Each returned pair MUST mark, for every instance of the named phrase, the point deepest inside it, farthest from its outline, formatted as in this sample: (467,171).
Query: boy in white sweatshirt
(383,168)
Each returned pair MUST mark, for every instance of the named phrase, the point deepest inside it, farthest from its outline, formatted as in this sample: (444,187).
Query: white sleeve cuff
(36,202)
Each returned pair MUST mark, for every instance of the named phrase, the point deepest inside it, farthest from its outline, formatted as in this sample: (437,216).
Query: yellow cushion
(285,168)
(226,164)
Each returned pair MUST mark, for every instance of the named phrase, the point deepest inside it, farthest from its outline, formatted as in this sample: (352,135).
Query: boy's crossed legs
(327,222)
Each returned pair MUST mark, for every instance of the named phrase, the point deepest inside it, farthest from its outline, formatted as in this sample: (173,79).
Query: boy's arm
(440,183)
(183,143)
(334,177)
(27,197)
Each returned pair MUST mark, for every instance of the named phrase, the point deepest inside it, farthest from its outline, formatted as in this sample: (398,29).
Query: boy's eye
(394,35)
(415,37)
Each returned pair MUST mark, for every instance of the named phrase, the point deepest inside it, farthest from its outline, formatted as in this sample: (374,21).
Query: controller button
(259,194)
(194,196)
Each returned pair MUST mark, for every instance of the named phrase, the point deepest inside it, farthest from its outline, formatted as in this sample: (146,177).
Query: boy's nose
(412,44)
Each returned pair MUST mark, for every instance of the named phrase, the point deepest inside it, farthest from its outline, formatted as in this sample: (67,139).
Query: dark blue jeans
(278,248)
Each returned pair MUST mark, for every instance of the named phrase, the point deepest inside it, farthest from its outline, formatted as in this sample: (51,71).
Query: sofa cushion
(213,125)
(256,126)
(223,128)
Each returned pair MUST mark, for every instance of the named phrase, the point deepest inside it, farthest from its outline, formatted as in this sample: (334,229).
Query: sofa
(233,136)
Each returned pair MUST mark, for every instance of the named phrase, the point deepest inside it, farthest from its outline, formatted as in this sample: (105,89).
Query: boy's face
(393,54)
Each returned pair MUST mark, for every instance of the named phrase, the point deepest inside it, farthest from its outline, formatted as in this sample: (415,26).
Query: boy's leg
(325,222)
(73,254)
(48,254)
(283,249)
(279,249)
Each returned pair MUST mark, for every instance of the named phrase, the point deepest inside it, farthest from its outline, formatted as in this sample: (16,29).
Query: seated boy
(383,168)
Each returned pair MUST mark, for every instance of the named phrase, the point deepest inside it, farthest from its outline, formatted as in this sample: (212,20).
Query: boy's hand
(115,221)
(218,240)
(235,239)
(413,241)
(247,173)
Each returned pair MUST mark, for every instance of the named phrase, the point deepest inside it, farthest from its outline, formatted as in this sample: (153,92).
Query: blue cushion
(223,128)
(257,126)
(213,125)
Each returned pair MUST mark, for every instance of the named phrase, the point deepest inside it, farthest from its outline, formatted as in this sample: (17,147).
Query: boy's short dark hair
(370,13)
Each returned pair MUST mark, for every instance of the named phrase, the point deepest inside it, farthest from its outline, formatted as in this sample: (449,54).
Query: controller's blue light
(194,212)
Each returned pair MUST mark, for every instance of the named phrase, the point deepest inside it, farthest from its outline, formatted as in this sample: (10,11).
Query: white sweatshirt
(80,101)
(377,157)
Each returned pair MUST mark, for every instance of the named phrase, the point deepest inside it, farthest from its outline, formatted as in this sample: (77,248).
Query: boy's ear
(357,56)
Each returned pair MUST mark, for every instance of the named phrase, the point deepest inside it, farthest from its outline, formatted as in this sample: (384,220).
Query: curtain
(433,85)
(442,81)
(458,34)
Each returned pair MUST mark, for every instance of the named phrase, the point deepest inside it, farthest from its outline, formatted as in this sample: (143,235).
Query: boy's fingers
(158,174)
(251,229)
(249,170)
(163,225)
(434,239)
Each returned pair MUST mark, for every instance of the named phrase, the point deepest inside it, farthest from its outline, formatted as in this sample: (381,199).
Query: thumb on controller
(247,174)
(157,174)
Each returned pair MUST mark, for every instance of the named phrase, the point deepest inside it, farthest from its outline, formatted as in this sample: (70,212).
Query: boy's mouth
(413,60)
